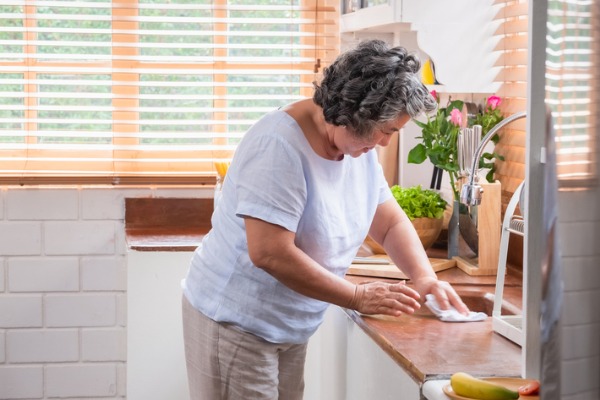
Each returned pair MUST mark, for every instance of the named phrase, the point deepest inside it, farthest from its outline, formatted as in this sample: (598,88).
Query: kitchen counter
(422,345)
(166,224)
(428,348)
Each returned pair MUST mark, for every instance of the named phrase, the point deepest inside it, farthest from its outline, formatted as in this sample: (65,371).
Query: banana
(466,385)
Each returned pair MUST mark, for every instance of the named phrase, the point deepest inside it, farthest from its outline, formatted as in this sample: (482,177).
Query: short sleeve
(385,192)
(270,182)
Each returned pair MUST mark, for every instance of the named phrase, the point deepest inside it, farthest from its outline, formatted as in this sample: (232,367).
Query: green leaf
(418,202)
(451,167)
(417,154)
(420,124)
(458,104)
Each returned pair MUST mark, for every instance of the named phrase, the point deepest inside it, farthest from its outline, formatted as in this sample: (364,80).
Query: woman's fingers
(389,299)
(402,288)
(447,296)
(400,306)
(398,298)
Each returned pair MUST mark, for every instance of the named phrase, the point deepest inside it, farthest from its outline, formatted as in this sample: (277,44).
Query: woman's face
(354,146)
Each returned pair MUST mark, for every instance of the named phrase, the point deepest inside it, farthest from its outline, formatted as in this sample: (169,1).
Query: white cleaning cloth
(452,315)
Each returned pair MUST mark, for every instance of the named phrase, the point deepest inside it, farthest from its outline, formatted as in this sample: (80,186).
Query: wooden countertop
(428,348)
(166,224)
(164,239)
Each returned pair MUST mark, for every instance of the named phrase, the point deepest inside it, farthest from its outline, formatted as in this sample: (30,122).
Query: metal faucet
(471,192)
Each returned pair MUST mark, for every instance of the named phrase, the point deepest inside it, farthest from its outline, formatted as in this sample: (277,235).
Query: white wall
(63,308)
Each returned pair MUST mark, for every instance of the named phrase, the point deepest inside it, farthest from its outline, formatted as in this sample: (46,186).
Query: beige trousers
(226,363)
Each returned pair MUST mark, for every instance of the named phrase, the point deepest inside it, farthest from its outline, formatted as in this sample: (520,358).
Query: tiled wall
(580,246)
(63,291)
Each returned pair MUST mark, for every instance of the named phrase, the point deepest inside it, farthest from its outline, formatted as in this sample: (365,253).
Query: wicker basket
(428,229)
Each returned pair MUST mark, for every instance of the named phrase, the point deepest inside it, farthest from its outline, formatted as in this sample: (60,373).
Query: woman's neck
(319,134)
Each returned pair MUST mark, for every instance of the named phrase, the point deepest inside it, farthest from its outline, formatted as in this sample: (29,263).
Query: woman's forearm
(395,232)
(272,249)
(404,247)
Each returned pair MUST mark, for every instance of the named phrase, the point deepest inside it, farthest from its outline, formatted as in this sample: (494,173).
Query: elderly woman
(303,191)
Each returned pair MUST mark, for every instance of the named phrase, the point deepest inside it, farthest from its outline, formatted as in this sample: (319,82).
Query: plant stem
(453,186)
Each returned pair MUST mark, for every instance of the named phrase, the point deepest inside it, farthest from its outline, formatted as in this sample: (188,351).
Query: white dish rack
(509,326)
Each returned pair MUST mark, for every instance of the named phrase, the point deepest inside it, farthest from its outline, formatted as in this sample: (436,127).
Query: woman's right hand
(384,298)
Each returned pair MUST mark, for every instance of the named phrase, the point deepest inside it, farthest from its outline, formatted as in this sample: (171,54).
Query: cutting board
(390,270)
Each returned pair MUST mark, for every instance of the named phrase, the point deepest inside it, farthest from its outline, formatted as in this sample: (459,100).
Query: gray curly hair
(370,85)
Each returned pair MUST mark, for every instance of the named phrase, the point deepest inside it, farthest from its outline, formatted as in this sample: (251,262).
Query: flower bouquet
(440,138)
(440,144)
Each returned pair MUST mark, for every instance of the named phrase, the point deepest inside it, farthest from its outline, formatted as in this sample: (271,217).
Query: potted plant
(425,208)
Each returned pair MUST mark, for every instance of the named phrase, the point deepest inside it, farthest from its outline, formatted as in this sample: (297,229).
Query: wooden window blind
(511,36)
(572,79)
(572,73)
(148,91)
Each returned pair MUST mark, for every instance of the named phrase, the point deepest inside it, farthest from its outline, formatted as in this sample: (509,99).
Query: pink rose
(493,102)
(434,94)
(456,117)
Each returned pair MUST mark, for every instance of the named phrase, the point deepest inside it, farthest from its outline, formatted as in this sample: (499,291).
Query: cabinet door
(343,363)
(373,374)
(325,368)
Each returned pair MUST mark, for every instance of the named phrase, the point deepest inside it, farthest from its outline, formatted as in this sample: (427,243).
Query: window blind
(511,37)
(572,73)
(148,90)
(572,78)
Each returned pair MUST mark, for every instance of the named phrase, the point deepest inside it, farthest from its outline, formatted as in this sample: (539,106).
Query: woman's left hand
(444,293)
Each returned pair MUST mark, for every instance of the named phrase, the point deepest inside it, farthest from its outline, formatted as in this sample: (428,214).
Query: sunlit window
(572,74)
(127,90)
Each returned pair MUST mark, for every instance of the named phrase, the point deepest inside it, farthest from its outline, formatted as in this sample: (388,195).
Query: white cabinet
(343,363)
(373,374)
(458,35)
(325,368)
(155,356)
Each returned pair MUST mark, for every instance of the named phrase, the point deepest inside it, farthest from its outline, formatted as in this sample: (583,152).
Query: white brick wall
(20,238)
(79,237)
(43,274)
(41,345)
(103,345)
(42,204)
(80,310)
(21,382)
(104,273)
(63,282)
(1,274)
(83,380)
(17,311)
(579,233)
(2,347)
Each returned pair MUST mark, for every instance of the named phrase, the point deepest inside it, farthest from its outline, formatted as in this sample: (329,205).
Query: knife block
(489,227)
